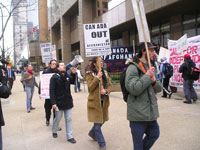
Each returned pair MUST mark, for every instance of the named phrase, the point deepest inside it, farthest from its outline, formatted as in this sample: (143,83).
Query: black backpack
(125,92)
(168,70)
(194,72)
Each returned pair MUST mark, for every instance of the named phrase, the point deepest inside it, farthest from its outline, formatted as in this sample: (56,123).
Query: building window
(189,25)
(105,5)
(99,12)
(165,34)
(155,34)
(98,4)
(59,54)
(73,22)
(198,24)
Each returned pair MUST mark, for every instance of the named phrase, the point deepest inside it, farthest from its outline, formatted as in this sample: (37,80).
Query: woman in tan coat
(99,87)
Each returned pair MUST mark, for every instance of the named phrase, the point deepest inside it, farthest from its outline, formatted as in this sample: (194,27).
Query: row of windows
(161,33)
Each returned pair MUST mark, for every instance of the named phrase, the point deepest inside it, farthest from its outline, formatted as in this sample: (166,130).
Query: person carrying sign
(142,107)
(61,99)
(98,100)
(185,69)
(47,104)
(166,71)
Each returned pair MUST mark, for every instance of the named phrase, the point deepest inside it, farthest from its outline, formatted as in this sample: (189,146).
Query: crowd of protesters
(142,81)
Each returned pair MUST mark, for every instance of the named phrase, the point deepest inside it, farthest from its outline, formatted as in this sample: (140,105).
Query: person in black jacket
(61,99)
(189,91)
(47,104)
(4,93)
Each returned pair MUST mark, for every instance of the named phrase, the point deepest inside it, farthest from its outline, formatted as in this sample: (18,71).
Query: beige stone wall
(34,49)
(43,20)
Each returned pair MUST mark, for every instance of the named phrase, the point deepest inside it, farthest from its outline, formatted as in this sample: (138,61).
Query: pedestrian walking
(79,77)
(61,99)
(30,83)
(10,75)
(99,87)
(185,69)
(22,76)
(47,104)
(166,74)
(142,107)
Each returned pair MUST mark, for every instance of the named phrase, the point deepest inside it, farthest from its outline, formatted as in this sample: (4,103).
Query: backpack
(194,73)
(168,70)
(125,92)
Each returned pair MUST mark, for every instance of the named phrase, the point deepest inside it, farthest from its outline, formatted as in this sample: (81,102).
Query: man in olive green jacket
(142,107)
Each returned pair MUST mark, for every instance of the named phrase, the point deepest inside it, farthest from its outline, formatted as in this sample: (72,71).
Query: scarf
(30,71)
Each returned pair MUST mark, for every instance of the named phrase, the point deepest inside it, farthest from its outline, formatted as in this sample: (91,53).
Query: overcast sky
(114,3)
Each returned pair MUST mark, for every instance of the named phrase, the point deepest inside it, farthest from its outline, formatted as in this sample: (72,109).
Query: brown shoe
(102,148)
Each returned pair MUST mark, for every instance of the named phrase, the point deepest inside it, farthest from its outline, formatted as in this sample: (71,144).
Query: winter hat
(164,58)
(187,56)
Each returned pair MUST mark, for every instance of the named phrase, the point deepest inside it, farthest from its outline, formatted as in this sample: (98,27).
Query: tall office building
(19,28)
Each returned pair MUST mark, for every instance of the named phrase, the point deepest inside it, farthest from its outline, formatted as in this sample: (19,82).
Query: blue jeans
(68,122)
(139,128)
(1,143)
(96,133)
(29,96)
(77,85)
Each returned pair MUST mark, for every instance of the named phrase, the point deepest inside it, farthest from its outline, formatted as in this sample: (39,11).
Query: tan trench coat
(96,113)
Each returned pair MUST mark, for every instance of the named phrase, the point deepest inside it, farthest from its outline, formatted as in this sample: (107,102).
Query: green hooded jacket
(142,101)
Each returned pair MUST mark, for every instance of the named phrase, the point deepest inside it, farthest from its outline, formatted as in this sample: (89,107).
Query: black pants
(10,83)
(165,85)
(48,107)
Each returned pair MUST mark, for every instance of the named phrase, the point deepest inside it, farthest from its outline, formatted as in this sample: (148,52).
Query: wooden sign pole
(145,41)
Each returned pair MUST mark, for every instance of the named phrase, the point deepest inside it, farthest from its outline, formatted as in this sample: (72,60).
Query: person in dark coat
(4,93)
(47,104)
(189,91)
(61,99)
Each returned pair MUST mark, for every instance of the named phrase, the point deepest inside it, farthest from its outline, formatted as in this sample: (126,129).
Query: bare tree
(9,9)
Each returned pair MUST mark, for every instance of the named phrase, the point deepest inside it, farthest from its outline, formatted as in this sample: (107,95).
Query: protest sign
(141,20)
(44,85)
(176,59)
(182,43)
(46,52)
(116,61)
(53,49)
(97,39)
(163,52)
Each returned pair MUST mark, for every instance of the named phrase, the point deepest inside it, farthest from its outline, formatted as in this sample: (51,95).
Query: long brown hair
(93,69)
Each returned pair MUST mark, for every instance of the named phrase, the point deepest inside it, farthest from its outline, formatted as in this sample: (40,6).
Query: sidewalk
(179,124)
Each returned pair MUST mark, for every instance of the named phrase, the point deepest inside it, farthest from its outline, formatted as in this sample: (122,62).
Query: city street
(179,124)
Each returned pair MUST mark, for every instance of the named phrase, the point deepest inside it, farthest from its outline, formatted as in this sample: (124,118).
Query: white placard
(53,50)
(97,39)
(163,52)
(44,85)
(182,44)
(141,20)
(46,52)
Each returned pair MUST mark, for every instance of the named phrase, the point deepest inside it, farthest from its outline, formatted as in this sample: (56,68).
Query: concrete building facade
(167,19)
